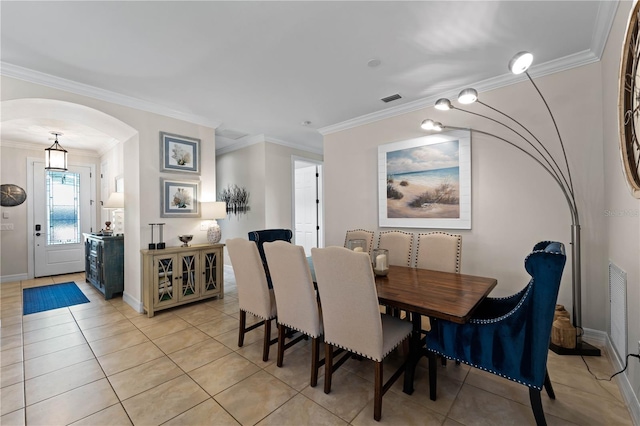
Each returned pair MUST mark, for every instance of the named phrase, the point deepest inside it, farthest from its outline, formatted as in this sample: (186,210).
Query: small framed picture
(119,183)
(179,154)
(180,198)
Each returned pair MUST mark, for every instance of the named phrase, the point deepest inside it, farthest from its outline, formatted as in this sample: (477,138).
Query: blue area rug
(38,299)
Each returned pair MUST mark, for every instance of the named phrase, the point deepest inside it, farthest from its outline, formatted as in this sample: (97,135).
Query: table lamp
(114,202)
(212,211)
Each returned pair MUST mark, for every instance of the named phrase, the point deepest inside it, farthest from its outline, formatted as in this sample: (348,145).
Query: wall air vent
(391,98)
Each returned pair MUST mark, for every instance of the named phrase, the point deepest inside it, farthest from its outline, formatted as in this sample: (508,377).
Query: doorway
(307,204)
(61,210)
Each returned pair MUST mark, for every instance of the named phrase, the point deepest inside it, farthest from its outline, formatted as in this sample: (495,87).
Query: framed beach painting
(180,198)
(426,182)
(179,154)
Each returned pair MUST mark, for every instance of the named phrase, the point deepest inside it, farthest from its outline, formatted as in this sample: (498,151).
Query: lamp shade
(214,210)
(55,157)
(115,201)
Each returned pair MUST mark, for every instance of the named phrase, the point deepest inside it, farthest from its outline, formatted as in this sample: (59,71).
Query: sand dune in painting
(401,208)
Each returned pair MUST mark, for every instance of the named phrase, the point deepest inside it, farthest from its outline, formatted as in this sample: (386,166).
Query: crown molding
(604,21)
(254,139)
(38,146)
(32,76)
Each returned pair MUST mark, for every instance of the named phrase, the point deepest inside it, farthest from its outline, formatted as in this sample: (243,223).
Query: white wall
(140,166)
(515,203)
(622,240)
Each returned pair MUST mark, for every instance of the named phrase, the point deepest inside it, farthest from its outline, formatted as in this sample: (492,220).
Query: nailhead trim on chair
(458,252)
(369,238)
(498,319)
(486,369)
(259,316)
(297,329)
(402,232)
(367,356)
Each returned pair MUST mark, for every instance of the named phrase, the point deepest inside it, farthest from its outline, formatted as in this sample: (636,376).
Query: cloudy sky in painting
(429,157)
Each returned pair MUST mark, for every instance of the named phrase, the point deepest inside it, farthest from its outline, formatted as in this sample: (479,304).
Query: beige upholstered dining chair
(439,251)
(254,295)
(360,234)
(296,299)
(400,246)
(351,317)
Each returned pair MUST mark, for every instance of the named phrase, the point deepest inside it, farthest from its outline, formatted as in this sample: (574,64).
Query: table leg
(414,354)
(433,374)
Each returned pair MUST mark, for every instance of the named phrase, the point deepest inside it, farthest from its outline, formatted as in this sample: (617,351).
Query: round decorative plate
(12,195)
(629,103)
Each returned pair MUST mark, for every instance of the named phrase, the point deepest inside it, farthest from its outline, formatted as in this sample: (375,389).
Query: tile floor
(102,363)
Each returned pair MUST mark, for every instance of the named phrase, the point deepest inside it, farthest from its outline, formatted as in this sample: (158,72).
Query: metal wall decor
(12,195)
(237,199)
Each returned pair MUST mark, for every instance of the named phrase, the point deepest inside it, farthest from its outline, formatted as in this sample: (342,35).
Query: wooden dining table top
(443,295)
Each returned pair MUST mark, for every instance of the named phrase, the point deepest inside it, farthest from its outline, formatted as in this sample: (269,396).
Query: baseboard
(13,278)
(133,302)
(602,339)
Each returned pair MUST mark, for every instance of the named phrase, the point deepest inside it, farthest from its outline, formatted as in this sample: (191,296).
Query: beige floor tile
(10,312)
(144,377)
(48,322)
(300,410)
(219,326)
(11,398)
(50,332)
(11,374)
(223,373)
(45,314)
(100,320)
(11,330)
(180,340)
(47,363)
(255,397)
(177,396)
(230,338)
(95,311)
(48,346)
(10,356)
(15,418)
(62,380)
(165,328)
(37,282)
(207,412)
(73,405)
(110,416)
(296,367)
(133,356)
(142,320)
(108,330)
(115,343)
(10,342)
(200,316)
(253,352)
(398,411)
(349,394)
(199,354)
(9,321)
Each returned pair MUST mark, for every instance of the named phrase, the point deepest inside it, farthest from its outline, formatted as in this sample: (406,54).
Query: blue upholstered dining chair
(508,336)
(269,236)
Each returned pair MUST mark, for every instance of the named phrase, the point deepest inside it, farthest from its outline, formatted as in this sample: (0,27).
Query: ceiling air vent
(391,98)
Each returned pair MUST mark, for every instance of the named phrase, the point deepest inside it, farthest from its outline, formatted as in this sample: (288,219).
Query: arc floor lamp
(533,147)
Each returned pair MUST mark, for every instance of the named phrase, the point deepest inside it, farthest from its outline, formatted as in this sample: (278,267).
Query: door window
(63,207)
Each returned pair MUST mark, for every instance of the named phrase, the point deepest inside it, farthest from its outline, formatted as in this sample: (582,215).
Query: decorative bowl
(185,239)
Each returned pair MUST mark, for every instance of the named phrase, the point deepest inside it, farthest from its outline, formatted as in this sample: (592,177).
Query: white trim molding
(246,141)
(13,278)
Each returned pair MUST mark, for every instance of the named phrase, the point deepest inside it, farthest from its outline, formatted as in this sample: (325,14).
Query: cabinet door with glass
(165,268)
(211,265)
(188,280)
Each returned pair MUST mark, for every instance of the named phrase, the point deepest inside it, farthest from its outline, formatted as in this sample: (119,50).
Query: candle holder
(152,245)
(161,244)
(357,245)
(380,261)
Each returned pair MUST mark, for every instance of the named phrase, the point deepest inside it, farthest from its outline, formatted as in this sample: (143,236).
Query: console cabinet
(178,275)
(104,263)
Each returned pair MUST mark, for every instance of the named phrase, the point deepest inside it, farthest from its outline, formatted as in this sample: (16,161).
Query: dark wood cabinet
(104,263)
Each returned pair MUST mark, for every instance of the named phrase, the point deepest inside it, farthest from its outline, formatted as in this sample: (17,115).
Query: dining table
(443,295)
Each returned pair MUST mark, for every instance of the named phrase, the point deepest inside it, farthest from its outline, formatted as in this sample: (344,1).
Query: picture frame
(119,183)
(179,154)
(426,182)
(180,198)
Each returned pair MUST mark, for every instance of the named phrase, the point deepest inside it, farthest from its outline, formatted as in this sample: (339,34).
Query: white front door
(61,213)
(306,207)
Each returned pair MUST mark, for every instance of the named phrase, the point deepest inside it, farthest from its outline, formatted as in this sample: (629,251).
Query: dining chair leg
(267,340)
(241,327)
(377,402)
(328,366)
(315,361)
(433,375)
(282,331)
(547,385)
(536,405)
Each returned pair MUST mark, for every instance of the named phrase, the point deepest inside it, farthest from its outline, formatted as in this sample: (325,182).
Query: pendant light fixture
(55,157)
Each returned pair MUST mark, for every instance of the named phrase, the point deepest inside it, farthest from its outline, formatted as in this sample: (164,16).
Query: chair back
(253,293)
(360,234)
(350,313)
(400,246)
(267,236)
(293,287)
(439,251)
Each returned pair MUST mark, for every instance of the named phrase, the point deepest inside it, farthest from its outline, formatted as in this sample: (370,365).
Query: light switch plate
(6,227)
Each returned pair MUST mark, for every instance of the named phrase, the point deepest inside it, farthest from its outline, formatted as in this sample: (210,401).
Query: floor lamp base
(582,348)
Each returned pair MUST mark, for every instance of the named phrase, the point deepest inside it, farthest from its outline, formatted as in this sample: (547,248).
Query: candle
(381,262)
(358,249)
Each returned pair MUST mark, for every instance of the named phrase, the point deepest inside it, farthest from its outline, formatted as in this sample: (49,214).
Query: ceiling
(285,71)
